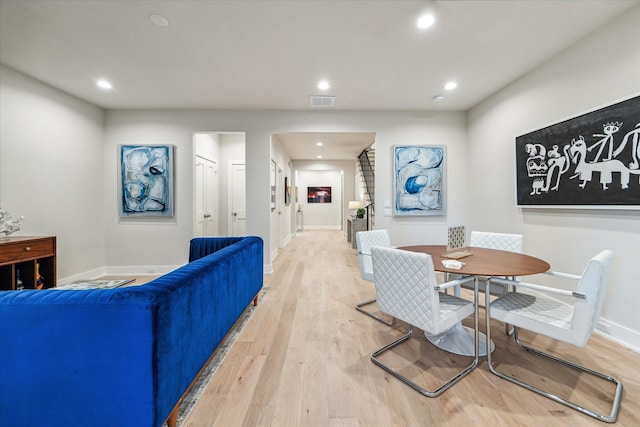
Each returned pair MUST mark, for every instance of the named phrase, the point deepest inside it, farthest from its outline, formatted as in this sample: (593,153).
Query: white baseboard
(268,268)
(143,270)
(620,334)
(119,271)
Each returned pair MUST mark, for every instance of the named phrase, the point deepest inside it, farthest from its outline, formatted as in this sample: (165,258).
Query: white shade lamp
(354,205)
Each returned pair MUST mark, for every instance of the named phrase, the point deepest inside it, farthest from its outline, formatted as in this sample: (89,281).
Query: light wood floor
(303,360)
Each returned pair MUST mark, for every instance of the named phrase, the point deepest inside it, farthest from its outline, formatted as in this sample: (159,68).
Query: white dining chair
(571,322)
(500,241)
(491,240)
(365,240)
(407,289)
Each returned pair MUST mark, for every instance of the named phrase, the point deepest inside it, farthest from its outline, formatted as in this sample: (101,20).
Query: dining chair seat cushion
(452,309)
(539,314)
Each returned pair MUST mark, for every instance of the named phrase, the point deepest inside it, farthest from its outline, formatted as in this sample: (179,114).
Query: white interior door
(237,225)
(206,197)
(282,227)
(211,199)
(198,219)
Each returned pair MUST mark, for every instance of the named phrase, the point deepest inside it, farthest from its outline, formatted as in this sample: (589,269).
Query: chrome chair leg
(410,383)
(508,332)
(374,316)
(611,418)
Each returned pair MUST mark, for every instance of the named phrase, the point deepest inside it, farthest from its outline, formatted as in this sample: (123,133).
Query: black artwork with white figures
(590,160)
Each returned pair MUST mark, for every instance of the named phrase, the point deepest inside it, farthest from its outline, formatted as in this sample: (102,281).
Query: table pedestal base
(459,340)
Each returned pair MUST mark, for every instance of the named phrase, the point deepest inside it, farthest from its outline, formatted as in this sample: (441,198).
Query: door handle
(207,215)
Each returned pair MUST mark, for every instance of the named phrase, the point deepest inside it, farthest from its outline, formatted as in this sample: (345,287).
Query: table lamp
(354,205)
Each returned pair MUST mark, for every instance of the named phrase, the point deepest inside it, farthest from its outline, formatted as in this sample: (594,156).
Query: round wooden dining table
(482,262)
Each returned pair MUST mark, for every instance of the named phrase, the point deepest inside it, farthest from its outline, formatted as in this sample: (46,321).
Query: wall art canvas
(419,178)
(146,180)
(287,191)
(589,161)
(318,194)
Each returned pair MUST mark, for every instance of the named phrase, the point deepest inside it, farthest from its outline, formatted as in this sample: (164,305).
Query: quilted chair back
(365,240)
(406,287)
(593,284)
(500,241)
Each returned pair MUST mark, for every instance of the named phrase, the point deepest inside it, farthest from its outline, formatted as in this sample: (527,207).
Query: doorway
(215,194)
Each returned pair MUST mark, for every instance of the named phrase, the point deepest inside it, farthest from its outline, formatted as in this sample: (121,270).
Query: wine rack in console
(32,259)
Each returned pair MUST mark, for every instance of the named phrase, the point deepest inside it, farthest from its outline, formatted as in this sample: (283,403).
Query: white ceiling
(256,54)
(335,145)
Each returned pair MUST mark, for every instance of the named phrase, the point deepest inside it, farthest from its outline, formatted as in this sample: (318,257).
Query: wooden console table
(24,254)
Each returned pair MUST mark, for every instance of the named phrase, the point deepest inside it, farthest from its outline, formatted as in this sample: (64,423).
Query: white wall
(321,215)
(51,147)
(282,218)
(207,145)
(446,129)
(163,243)
(599,70)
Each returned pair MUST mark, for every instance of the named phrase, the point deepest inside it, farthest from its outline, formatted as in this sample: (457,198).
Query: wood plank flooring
(303,360)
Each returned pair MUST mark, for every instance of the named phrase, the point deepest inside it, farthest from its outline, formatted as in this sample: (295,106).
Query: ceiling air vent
(322,101)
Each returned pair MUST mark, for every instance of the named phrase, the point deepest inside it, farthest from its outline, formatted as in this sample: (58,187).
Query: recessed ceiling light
(425,21)
(319,156)
(323,85)
(438,98)
(104,84)
(451,85)
(158,20)
(319,144)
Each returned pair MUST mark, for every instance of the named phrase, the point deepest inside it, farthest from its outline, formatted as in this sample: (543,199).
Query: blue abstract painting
(146,175)
(419,180)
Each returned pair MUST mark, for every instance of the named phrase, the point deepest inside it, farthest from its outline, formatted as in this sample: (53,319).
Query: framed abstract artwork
(419,180)
(287,191)
(318,194)
(146,180)
(591,161)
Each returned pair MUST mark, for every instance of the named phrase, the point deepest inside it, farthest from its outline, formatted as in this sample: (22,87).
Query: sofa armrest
(82,354)
(200,247)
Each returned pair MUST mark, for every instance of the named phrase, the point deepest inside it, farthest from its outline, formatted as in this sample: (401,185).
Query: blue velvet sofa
(125,356)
